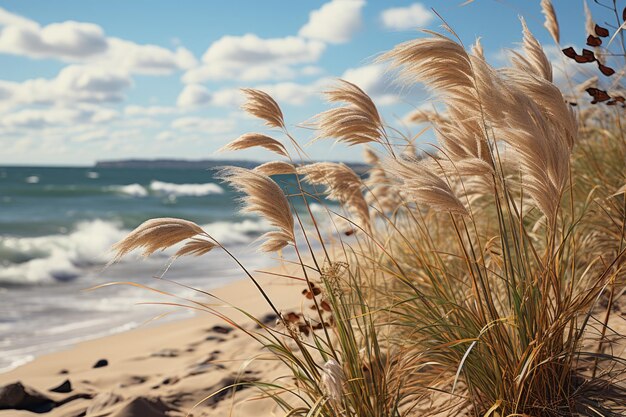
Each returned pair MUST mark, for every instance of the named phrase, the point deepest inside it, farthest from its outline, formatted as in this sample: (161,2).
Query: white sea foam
(64,256)
(195,190)
(135,190)
(93,175)
(60,256)
(168,189)
(33,179)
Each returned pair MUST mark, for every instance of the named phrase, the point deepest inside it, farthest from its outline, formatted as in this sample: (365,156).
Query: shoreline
(168,366)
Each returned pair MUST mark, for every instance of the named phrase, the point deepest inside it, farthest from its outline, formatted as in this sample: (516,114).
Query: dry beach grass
(484,277)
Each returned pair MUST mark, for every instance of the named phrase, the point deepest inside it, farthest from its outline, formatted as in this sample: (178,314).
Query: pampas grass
(264,197)
(485,273)
(551,23)
(157,234)
(251,140)
(261,105)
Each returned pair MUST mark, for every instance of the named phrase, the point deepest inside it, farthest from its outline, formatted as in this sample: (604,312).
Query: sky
(82,81)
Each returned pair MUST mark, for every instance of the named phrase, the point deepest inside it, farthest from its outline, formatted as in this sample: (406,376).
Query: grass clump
(479,278)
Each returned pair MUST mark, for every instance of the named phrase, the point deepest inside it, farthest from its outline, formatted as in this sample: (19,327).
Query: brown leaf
(602,32)
(598,95)
(586,57)
(606,70)
(593,41)
(292,317)
(570,52)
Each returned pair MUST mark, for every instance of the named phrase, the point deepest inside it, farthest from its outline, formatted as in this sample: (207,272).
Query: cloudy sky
(82,80)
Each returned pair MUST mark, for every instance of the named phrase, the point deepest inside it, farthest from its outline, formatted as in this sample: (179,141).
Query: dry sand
(157,370)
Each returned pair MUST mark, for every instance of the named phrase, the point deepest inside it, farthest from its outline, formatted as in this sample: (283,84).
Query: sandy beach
(158,369)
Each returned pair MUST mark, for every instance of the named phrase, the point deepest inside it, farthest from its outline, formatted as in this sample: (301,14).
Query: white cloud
(375,80)
(165,136)
(74,83)
(133,110)
(66,40)
(145,59)
(11,19)
(405,18)
(72,41)
(252,58)
(57,116)
(194,95)
(335,22)
(203,125)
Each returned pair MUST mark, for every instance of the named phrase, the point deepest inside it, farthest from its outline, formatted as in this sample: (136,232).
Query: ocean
(56,229)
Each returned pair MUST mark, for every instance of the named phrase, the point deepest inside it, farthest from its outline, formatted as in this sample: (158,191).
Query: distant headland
(194,164)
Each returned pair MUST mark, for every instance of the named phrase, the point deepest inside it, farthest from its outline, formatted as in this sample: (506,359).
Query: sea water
(56,229)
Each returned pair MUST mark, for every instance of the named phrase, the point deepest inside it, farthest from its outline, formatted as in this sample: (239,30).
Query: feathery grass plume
(196,247)
(332,380)
(543,150)
(589,82)
(535,60)
(590,25)
(421,183)
(462,82)
(437,61)
(155,234)
(250,140)
(342,184)
(549,100)
(551,23)
(264,197)
(357,122)
(379,192)
(369,156)
(425,116)
(275,168)
(262,105)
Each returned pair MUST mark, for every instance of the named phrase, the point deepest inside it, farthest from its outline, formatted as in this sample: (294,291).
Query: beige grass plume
(250,140)
(332,380)
(379,192)
(157,234)
(424,185)
(275,168)
(425,116)
(535,60)
(342,184)
(590,25)
(196,246)
(369,156)
(355,123)
(265,198)
(263,106)
(467,86)
(551,23)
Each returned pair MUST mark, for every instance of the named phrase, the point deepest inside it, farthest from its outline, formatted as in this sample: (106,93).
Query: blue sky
(84,80)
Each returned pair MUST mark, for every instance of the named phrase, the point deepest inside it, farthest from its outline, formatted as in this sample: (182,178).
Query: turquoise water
(56,228)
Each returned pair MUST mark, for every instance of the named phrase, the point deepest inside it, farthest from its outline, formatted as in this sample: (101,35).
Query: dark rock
(18,397)
(101,363)
(214,339)
(65,387)
(64,372)
(268,320)
(145,407)
(222,329)
(226,389)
